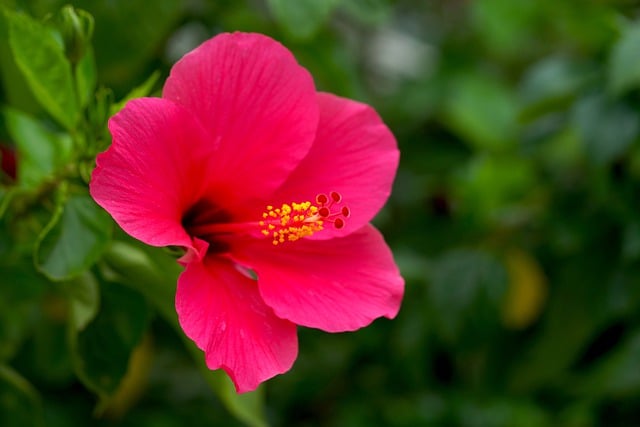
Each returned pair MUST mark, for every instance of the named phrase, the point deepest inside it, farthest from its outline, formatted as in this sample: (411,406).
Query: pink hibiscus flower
(254,173)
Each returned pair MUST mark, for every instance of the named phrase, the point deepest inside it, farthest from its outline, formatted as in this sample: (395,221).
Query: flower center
(291,222)
(288,223)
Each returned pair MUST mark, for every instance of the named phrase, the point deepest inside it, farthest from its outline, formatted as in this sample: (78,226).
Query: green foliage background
(515,217)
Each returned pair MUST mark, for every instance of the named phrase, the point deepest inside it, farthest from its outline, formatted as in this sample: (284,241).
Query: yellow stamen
(290,222)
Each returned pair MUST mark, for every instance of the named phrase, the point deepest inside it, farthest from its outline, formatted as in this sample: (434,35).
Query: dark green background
(515,219)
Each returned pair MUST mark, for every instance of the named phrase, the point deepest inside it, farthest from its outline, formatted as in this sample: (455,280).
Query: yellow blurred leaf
(526,291)
(133,384)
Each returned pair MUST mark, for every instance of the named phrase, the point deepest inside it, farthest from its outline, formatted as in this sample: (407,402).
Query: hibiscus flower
(269,186)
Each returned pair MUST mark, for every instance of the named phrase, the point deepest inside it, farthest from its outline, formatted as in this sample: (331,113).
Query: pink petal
(221,310)
(260,105)
(336,285)
(153,171)
(354,154)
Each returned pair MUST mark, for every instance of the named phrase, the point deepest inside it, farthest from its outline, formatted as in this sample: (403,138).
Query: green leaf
(607,129)
(467,288)
(505,27)
(41,59)
(41,151)
(551,84)
(155,277)
(20,404)
(45,355)
(302,18)
(15,88)
(615,374)
(493,187)
(5,199)
(496,412)
(101,350)
(368,11)
(624,62)
(19,305)
(567,328)
(74,239)
(482,110)
(154,274)
(84,295)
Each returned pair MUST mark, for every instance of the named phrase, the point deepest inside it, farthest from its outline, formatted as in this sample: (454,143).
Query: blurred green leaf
(84,300)
(15,87)
(631,241)
(21,290)
(585,297)
(506,27)
(20,404)
(5,199)
(155,277)
(624,61)
(41,151)
(578,414)
(45,355)
(301,18)
(563,151)
(101,350)
(74,239)
(615,375)
(607,128)
(41,59)
(493,187)
(471,412)
(466,290)
(593,29)
(482,111)
(367,11)
(551,84)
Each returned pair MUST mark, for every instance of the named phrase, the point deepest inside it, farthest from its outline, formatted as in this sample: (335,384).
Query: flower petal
(260,105)
(336,285)
(153,172)
(221,310)
(354,154)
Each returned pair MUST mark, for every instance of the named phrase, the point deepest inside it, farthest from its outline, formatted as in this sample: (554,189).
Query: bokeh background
(515,220)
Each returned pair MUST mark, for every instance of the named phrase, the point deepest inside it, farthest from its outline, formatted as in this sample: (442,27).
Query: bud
(99,111)
(76,26)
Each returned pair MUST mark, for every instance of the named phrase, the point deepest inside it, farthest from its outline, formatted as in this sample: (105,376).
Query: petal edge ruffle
(153,171)
(335,285)
(258,103)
